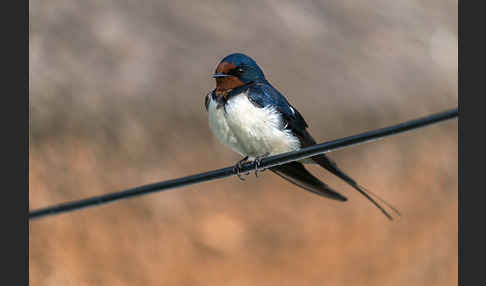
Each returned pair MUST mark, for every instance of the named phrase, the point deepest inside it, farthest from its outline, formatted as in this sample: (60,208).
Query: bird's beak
(216,75)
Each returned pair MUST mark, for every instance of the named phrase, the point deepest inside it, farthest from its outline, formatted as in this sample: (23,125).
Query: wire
(264,163)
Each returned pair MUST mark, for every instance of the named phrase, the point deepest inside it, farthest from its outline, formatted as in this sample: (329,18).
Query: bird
(250,116)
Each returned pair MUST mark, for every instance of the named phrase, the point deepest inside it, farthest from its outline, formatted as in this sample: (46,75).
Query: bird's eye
(236,71)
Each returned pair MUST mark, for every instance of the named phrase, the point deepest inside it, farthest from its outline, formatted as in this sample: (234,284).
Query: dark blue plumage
(252,70)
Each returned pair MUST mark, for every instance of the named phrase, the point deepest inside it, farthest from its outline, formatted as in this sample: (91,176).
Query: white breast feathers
(250,130)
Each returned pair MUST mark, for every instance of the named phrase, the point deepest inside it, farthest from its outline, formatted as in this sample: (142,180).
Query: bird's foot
(238,166)
(258,161)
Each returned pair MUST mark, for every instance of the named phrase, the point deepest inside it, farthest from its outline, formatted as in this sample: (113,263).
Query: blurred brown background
(116,101)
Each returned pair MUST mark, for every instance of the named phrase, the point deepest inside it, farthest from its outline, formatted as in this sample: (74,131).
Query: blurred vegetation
(116,100)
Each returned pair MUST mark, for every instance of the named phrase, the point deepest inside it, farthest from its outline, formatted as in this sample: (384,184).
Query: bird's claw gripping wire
(258,162)
(237,168)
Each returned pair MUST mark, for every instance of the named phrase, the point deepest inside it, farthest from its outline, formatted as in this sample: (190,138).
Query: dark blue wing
(263,94)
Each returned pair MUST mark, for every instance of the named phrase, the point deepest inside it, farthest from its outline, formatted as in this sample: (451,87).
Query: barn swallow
(255,120)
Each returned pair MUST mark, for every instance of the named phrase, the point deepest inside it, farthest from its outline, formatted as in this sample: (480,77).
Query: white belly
(250,130)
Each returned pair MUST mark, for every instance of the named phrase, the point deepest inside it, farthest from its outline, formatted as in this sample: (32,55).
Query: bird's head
(236,70)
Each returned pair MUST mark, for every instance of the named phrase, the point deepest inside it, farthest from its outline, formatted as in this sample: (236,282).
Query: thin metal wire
(264,163)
